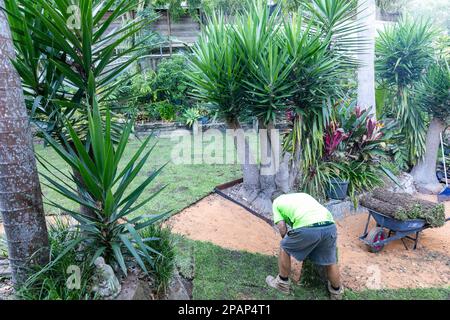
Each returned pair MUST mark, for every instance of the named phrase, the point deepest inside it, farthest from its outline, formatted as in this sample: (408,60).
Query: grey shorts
(317,243)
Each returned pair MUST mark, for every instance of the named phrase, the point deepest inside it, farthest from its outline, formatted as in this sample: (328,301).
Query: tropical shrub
(104,189)
(171,81)
(155,95)
(166,110)
(354,148)
(403,53)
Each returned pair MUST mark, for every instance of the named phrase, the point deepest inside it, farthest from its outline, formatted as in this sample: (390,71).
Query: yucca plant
(104,189)
(268,63)
(403,53)
(216,71)
(59,43)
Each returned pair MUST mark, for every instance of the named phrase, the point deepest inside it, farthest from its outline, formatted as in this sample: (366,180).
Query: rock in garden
(177,290)
(406,184)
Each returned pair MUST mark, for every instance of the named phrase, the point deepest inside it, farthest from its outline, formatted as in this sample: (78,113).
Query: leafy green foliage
(170,81)
(268,66)
(155,95)
(60,47)
(164,264)
(105,190)
(433,93)
(50,282)
(190,116)
(353,149)
(403,53)
(215,71)
(166,110)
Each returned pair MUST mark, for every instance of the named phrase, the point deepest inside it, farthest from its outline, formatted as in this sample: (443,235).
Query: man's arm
(282,228)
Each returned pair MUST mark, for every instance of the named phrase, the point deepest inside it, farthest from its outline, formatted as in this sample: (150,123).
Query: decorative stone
(341,209)
(406,182)
(177,290)
(134,288)
(105,282)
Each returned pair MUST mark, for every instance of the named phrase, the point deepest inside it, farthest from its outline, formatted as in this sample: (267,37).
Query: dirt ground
(228,225)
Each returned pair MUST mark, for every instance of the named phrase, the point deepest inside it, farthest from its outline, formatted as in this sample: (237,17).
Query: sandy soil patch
(230,226)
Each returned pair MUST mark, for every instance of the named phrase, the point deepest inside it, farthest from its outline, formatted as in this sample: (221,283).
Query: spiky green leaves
(105,190)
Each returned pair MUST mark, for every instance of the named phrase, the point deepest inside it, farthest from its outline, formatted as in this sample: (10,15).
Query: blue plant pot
(337,189)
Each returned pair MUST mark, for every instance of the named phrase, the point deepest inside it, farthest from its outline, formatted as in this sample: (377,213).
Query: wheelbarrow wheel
(375,235)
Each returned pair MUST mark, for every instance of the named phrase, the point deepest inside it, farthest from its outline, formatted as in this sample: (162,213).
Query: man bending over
(313,235)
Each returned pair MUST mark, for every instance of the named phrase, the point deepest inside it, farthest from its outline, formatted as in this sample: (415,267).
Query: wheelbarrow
(377,237)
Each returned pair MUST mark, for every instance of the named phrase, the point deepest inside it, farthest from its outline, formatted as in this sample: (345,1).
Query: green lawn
(186,184)
(219,273)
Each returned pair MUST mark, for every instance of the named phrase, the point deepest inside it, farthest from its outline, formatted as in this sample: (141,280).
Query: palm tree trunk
(366,72)
(424,172)
(20,191)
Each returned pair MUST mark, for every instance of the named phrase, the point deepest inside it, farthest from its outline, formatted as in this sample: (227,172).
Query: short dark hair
(276,194)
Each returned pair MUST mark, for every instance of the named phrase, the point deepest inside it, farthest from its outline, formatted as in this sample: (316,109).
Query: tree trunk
(424,172)
(268,171)
(20,191)
(250,169)
(366,72)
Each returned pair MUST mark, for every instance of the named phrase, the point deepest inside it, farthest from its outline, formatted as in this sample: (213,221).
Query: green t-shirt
(299,210)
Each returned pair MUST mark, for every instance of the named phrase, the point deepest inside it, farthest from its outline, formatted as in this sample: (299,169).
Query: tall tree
(404,52)
(266,65)
(20,191)
(366,72)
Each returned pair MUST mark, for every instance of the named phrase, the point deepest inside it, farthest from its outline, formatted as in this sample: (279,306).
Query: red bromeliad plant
(354,134)
(334,136)
(354,145)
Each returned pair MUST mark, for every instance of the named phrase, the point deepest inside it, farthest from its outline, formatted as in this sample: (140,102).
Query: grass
(186,183)
(226,274)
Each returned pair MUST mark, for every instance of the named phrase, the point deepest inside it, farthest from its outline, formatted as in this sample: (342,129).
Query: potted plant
(354,145)
(337,187)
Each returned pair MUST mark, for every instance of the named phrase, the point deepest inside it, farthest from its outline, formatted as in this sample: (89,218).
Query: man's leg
(281,282)
(334,275)
(335,286)
(284,264)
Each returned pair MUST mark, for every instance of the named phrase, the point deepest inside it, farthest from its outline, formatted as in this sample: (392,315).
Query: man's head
(276,194)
